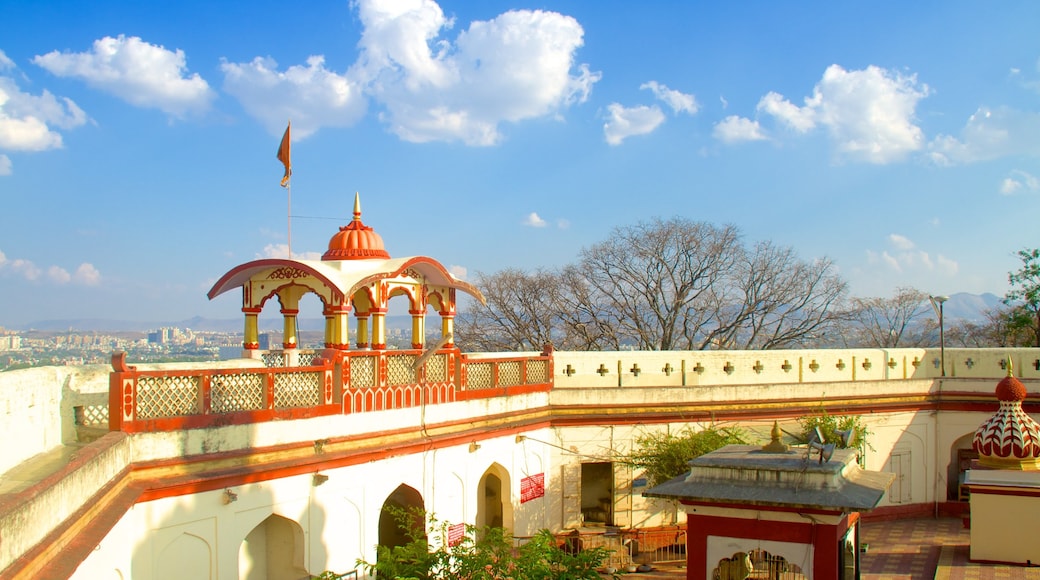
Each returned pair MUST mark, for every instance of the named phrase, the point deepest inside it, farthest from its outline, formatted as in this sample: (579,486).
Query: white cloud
(734,129)
(626,122)
(311,96)
(282,251)
(1019,181)
(725,103)
(869,113)
(460,272)
(679,102)
(142,74)
(27,121)
(534,221)
(5,165)
(58,275)
(519,65)
(904,257)
(989,134)
(86,274)
(901,242)
(5,62)
(563,224)
(801,119)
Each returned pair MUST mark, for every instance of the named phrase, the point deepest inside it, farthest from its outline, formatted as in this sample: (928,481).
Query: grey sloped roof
(743,474)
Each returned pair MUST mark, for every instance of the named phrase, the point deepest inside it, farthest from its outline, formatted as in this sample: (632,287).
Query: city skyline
(137,144)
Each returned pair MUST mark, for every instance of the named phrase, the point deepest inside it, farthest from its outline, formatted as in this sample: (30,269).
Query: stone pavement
(927,548)
(917,549)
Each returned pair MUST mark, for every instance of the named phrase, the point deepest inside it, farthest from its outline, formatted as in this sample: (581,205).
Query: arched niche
(274,550)
(494,504)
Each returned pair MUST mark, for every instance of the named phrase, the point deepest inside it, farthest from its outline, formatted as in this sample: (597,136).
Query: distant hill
(970,307)
(197,324)
(962,306)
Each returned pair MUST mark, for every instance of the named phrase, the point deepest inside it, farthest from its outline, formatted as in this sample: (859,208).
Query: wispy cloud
(903,255)
(678,101)
(142,74)
(1019,182)
(282,251)
(989,134)
(734,129)
(84,275)
(623,122)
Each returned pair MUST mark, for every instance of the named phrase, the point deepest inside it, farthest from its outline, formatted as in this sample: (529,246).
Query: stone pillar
(448,328)
(378,328)
(362,330)
(418,328)
(251,338)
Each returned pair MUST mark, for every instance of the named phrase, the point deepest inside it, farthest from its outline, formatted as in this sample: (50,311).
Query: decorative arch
(393,531)
(494,501)
(961,456)
(274,549)
(186,556)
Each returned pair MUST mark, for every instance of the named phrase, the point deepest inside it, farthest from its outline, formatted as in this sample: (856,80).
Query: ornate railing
(334,382)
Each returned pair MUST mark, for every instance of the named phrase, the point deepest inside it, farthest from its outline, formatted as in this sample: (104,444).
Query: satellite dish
(847,436)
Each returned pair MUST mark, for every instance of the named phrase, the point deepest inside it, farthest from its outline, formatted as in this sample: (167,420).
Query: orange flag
(283,155)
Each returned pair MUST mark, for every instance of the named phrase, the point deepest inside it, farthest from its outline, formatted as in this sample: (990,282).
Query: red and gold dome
(1010,439)
(356,241)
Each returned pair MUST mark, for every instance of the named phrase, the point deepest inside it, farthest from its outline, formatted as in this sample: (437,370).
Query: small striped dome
(1010,439)
(356,241)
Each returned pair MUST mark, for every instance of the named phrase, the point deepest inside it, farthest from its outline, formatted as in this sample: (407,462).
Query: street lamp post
(937,305)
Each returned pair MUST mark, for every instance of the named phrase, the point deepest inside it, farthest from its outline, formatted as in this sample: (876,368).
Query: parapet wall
(771,367)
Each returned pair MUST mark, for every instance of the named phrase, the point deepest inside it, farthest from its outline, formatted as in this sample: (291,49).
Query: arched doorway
(494,508)
(273,549)
(961,456)
(393,529)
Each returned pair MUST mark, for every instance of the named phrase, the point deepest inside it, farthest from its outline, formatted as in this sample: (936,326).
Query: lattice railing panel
(173,396)
(509,373)
(273,359)
(237,392)
(362,372)
(92,415)
(479,376)
(399,370)
(297,390)
(437,368)
(537,372)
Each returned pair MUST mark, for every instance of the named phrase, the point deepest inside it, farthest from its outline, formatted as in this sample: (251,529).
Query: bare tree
(660,279)
(660,285)
(902,320)
(784,301)
(519,314)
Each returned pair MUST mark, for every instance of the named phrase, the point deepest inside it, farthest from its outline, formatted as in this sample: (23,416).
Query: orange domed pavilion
(356,274)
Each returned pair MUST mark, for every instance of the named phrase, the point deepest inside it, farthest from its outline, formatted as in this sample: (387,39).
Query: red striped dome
(1010,439)
(355,241)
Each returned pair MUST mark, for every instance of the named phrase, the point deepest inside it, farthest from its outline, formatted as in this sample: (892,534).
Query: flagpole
(288,215)
(285,157)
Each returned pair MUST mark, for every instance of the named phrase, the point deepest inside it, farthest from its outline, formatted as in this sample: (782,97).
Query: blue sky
(137,141)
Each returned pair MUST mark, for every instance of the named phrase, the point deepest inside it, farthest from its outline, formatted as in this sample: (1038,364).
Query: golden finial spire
(776,445)
(1009,367)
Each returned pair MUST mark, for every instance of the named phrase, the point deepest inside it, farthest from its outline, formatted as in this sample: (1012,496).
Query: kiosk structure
(774,512)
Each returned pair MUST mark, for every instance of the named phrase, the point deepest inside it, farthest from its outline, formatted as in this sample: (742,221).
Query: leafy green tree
(480,554)
(1024,296)
(663,456)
